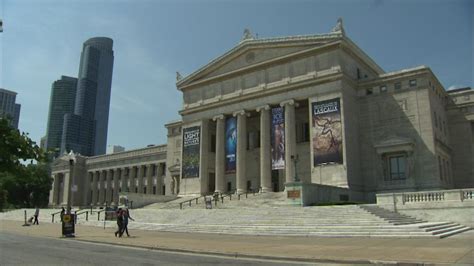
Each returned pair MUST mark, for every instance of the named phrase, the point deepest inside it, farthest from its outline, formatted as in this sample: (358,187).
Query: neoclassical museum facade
(313,108)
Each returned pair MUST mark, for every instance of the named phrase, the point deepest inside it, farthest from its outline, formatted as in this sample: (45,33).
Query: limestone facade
(400,131)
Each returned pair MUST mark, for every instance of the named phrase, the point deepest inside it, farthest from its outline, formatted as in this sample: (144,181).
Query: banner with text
(278,138)
(191,151)
(327,132)
(230,144)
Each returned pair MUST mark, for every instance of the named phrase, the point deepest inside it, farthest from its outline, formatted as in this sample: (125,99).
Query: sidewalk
(455,250)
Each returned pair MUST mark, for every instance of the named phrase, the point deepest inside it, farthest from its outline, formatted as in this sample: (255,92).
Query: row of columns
(138,178)
(265,148)
(106,185)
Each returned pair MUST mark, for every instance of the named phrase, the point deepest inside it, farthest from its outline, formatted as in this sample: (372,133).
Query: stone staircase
(441,230)
(252,216)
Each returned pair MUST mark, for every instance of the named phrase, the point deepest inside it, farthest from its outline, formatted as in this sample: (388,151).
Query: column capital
(241,112)
(289,102)
(215,118)
(263,107)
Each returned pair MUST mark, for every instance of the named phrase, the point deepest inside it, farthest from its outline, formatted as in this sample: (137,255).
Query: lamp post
(295,160)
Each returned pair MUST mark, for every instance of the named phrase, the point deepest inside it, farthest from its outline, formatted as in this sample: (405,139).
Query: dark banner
(191,151)
(68,224)
(327,132)
(278,138)
(230,144)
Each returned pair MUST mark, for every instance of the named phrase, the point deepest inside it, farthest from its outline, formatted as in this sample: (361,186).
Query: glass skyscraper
(61,102)
(8,107)
(85,130)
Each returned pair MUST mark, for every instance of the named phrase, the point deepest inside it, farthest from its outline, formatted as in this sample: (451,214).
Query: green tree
(21,185)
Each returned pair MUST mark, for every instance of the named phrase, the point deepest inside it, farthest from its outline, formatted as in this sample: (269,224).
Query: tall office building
(8,107)
(85,131)
(61,102)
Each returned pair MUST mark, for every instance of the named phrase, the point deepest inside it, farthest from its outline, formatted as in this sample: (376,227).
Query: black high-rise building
(85,130)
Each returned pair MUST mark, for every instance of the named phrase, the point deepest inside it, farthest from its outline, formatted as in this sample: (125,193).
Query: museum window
(154,170)
(383,88)
(358,73)
(412,82)
(397,167)
(398,85)
(154,190)
(163,190)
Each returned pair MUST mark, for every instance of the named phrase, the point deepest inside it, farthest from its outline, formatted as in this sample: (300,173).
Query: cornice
(285,85)
(253,67)
(127,154)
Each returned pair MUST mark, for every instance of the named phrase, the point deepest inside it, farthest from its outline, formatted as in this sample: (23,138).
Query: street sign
(68,226)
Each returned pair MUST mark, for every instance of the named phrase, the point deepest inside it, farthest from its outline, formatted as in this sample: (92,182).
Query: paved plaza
(453,250)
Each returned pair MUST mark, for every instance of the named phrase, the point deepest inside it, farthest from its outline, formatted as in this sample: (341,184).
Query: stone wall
(440,205)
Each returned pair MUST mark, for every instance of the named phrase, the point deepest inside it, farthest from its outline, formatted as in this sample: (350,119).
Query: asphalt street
(26,250)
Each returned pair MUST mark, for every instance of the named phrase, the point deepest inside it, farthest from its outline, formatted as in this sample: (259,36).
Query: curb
(240,255)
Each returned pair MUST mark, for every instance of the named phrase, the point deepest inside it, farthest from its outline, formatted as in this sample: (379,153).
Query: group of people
(123,216)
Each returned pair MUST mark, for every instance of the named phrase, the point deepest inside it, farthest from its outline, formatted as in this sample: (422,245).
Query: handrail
(80,213)
(98,214)
(52,215)
(190,201)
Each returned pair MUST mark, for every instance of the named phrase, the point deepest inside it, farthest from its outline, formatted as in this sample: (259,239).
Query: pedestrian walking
(126,217)
(119,223)
(63,211)
(37,212)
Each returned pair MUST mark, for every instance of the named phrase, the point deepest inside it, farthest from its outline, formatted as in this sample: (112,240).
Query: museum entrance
(275,181)
(212,182)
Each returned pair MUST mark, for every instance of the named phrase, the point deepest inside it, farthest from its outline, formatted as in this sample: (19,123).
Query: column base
(240,191)
(266,189)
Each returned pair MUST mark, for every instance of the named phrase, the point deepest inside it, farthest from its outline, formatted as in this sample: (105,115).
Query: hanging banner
(278,138)
(191,151)
(230,144)
(327,132)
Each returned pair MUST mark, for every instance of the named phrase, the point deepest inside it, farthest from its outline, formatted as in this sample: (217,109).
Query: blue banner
(230,144)
(278,138)
(191,151)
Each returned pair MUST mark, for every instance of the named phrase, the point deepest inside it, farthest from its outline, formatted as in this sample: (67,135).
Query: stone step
(443,226)
(449,229)
(454,232)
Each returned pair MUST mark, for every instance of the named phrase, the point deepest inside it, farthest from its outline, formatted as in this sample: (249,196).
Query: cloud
(455,86)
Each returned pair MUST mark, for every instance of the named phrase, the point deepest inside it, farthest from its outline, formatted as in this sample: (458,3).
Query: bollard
(87,216)
(75,217)
(25,216)
(98,216)
(180,205)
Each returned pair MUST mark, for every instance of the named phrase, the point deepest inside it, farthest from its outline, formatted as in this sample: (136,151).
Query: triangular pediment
(255,51)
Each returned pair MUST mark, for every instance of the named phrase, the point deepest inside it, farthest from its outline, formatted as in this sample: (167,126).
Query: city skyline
(153,40)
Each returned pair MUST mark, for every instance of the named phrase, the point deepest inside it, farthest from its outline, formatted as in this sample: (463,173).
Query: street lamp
(295,160)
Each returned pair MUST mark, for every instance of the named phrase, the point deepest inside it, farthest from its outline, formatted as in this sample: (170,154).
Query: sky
(42,40)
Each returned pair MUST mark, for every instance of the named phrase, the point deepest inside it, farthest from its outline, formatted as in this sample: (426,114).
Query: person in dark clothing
(37,211)
(126,217)
(119,231)
(63,211)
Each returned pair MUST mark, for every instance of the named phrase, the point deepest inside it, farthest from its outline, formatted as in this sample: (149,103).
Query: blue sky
(42,40)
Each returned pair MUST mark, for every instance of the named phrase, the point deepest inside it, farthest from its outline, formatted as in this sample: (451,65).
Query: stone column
(131,179)
(159,179)
(66,190)
(149,179)
(241,177)
(108,193)
(95,184)
(265,149)
(53,194)
(86,191)
(220,153)
(117,173)
(102,187)
(290,139)
(140,178)
(124,179)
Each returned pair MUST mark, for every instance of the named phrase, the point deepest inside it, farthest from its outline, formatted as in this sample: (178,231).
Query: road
(26,250)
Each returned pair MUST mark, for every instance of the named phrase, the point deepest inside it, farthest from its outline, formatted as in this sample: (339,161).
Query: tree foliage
(22,185)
